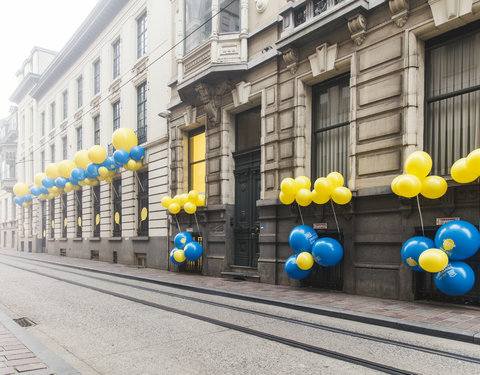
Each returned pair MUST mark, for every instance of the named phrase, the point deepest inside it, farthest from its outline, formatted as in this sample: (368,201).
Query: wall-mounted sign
(317,226)
(443,220)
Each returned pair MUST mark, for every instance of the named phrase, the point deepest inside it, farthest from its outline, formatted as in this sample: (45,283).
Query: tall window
(32,128)
(142,35)
(79,91)
(196,160)
(52,154)
(64,215)
(96,210)
(117,207)
(52,113)
(78,213)
(79,138)
(116,115)
(96,130)
(42,120)
(65,104)
(229,16)
(198,23)
(142,183)
(142,113)
(42,158)
(116,59)
(64,148)
(52,218)
(96,77)
(331,130)
(452,96)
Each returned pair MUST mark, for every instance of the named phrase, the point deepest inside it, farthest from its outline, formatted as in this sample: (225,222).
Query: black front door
(247,192)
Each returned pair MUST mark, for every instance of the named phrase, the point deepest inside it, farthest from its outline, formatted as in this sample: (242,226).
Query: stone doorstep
(241,276)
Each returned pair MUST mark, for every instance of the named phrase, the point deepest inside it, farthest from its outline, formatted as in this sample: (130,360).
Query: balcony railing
(7,183)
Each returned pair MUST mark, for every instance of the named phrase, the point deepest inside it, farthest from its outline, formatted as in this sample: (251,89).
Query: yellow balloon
(192,196)
(26,204)
(117,218)
(53,189)
(473,162)
(183,199)
(179,256)
(409,186)
(393,185)
(131,165)
(108,180)
(419,164)
(144,214)
(68,187)
(303,182)
(97,154)
(81,159)
(201,200)
(138,165)
(124,139)
(433,260)
(336,179)
(323,186)
(304,197)
(174,208)
(38,178)
(304,260)
(434,187)
(288,186)
(97,219)
(52,171)
(166,201)
(320,197)
(190,208)
(82,183)
(103,171)
(65,168)
(20,189)
(341,195)
(286,198)
(461,173)
(93,182)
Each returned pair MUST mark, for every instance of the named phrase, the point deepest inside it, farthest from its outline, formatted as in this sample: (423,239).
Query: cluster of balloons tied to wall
(466,170)
(454,241)
(185,249)
(189,202)
(87,168)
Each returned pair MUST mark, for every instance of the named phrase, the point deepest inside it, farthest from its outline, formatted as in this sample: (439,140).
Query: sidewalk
(443,320)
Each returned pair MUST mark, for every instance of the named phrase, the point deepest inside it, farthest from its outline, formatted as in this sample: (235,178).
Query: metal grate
(25,322)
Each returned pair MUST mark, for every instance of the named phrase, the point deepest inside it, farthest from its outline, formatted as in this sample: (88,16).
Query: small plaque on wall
(443,220)
(317,226)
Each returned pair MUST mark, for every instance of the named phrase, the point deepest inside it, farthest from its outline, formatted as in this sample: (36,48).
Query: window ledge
(63,239)
(115,238)
(77,239)
(94,239)
(141,238)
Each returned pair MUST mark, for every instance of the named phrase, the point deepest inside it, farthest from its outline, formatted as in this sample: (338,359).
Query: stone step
(239,275)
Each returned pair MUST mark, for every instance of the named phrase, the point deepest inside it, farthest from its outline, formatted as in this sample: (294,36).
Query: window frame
(117,206)
(79,138)
(116,115)
(191,134)
(142,112)
(42,120)
(116,58)
(64,215)
(52,218)
(65,104)
(78,212)
(96,76)
(79,92)
(96,210)
(142,196)
(52,114)
(96,130)
(142,35)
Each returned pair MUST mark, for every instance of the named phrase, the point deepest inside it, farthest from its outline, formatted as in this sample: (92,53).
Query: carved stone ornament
(444,11)
(290,57)
(358,28)
(324,59)
(399,9)
(241,93)
(211,99)
(261,5)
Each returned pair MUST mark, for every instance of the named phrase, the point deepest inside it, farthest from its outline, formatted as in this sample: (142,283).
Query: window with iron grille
(96,210)
(196,160)
(52,154)
(116,58)
(116,115)
(52,114)
(78,213)
(142,188)
(64,215)
(79,138)
(52,218)
(96,77)
(64,148)
(142,113)
(117,207)
(79,91)
(142,35)
(331,127)
(42,120)
(65,104)
(452,97)
(96,130)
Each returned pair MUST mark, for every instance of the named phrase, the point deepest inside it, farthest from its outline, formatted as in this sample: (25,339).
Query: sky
(25,24)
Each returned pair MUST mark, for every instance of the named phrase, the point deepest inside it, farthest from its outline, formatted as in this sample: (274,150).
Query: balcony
(7,183)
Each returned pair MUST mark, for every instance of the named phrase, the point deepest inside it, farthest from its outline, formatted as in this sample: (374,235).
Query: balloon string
(421,218)
(178,225)
(300,211)
(335,216)
(198,227)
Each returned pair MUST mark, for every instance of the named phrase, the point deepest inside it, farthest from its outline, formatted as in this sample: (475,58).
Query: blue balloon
(121,156)
(60,182)
(137,153)
(78,174)
(193,251)
(110,164)
(172,258)
(455,279)
(91,171)
(43,190)
(293,270)
(327,252)
(48,182)
(412,249)
(73,181)
(27,198)
(35,191)
(181,239)
(459,239)
(302,238)
(18,200)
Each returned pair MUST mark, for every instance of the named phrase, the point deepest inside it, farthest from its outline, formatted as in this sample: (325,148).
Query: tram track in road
(272,316)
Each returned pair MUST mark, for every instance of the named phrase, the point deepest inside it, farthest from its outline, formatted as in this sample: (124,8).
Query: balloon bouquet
(185,248)
(454,241)
(303,240)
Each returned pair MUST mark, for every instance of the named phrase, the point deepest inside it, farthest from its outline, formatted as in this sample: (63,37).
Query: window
(96,77)
(96,210)
(452,97)
(64,148)
(116,115)
(65,104)
(42,119)
(229,16)
(142,35)
(117,207)
(198,23)
(96,130)
(142,113)
(248,127)
(52,154)
(116,59)
(196,160)
(52,218)
(78,213)
(64,215)
(79,138)
(142,184)
(42,158)
(79,91)
(52,112)
(32,128)
(331,130)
